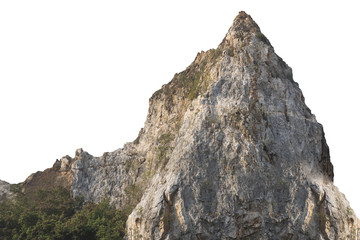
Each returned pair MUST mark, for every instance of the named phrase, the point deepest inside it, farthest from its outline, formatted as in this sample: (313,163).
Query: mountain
(229,150)
(5,192)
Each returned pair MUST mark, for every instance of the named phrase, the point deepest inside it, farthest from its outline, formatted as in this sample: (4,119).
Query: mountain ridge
(229,150)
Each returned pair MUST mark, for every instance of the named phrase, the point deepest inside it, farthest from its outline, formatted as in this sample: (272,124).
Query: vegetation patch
(349,211)
(231,51)
(164,146)
(133,193)
(194,79)
(128,166)
(54,214)
(262,38)
(16,188)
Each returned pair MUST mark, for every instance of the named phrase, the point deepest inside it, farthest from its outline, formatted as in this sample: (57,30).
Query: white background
(79,73)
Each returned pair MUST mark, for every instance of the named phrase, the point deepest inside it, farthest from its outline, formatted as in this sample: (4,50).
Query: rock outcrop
(229,150)
(5,192)
(59,175)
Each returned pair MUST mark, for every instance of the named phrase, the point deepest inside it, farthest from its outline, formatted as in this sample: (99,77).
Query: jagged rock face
(249,160)
(229,150)
(5,192)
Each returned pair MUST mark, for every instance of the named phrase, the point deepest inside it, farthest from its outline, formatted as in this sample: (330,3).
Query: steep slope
(59,175)
(248,159)
(229,150)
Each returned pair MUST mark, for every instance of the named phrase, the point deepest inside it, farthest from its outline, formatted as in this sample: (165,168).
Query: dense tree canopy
(54,214)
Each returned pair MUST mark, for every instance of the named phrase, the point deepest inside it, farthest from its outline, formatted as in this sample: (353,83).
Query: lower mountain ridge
(229,150)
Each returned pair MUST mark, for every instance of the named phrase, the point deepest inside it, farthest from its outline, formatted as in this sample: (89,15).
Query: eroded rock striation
(229,150)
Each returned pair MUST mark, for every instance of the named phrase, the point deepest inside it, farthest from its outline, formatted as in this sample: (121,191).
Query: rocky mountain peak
(229,150)
(242,28)
(234,146)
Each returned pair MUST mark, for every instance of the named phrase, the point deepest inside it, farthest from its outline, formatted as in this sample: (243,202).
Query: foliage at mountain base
(54,214)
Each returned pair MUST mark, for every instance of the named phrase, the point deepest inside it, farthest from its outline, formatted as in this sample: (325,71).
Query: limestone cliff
(229,150)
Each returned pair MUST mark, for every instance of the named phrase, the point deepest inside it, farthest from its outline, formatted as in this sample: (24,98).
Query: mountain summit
(229,150)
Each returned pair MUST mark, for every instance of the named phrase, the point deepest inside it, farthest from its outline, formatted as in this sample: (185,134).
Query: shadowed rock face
(229,150)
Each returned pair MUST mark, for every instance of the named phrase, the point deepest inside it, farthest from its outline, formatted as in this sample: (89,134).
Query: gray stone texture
(229,150)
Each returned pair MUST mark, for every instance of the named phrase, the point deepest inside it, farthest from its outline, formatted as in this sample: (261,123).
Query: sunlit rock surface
(229,150)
